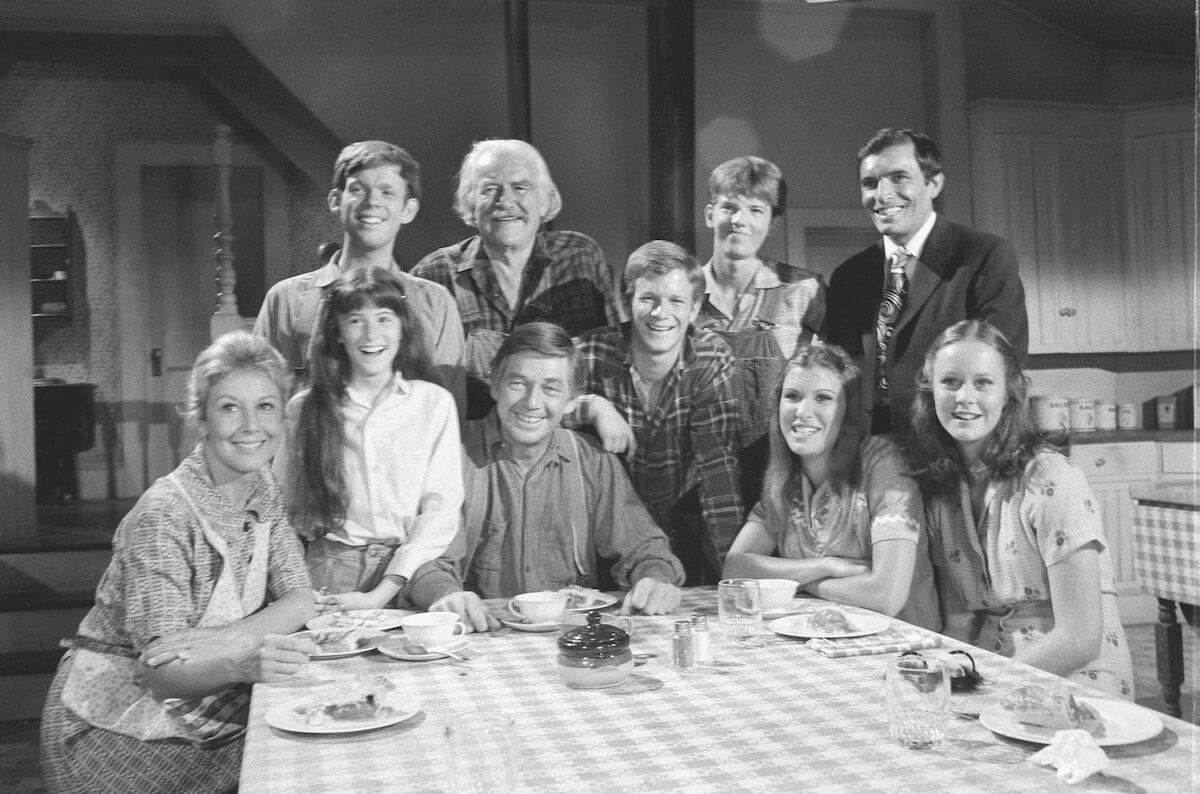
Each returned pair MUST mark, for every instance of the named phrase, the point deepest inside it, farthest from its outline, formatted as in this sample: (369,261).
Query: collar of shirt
(497,448)
(764,278)
(476,256)
(197,478)
(397,385)
(915,246)
(329,273)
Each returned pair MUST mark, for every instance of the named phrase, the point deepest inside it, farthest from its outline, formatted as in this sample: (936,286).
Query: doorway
(166,200)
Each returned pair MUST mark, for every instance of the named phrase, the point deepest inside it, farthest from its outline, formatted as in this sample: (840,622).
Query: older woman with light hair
(510,272)
(206,577)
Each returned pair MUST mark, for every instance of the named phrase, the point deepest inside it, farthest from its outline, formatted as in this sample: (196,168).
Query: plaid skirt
(77,756)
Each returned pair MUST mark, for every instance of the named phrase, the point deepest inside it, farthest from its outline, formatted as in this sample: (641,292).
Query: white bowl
(777,593)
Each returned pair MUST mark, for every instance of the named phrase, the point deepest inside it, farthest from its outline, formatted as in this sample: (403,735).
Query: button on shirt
(403,469)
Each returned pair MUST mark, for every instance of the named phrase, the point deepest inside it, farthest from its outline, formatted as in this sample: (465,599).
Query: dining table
(781,716)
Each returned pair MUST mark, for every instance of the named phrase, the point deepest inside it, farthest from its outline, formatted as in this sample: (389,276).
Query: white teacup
(432,629)
(544,607)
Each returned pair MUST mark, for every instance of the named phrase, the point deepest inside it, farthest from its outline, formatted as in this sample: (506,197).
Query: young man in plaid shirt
(663,393)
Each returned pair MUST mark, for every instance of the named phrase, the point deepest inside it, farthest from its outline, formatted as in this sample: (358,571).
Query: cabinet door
(1162,245)
(1048,180)
(1015,199)
(1116,510)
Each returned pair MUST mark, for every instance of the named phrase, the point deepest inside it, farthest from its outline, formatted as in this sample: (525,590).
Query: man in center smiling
(672,385)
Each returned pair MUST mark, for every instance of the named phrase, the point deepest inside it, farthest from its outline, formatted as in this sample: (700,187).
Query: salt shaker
(682,653)
(701,640)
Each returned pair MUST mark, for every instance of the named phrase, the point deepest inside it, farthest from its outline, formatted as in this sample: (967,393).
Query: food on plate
(360,619)
(358,699)
(830,620)
(582,597)
(1053,708)
(340,640)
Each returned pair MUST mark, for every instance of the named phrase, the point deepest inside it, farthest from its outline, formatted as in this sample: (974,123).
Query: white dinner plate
(1124,723)
(394,647)
(518,624)
(378,619)
(596,600)
(861,625)
(289,716)
(366,640)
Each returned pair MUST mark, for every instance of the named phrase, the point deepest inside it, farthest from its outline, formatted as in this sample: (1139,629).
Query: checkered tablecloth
(786,719)
(1166,551)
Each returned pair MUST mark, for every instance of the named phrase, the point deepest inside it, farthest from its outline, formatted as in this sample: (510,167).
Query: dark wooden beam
(516,50)
(671,67)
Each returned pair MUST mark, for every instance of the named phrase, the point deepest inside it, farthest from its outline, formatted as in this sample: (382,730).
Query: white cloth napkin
(1074,754)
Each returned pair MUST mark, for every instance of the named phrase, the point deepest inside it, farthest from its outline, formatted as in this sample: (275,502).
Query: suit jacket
(962,274)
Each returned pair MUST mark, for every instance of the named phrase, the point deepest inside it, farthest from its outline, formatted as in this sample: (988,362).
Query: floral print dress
(999,566)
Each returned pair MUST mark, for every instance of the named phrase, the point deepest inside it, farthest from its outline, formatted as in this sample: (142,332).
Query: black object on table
(64,425)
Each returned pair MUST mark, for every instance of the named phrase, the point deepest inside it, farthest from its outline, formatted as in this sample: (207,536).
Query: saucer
(517,624)
(394,648)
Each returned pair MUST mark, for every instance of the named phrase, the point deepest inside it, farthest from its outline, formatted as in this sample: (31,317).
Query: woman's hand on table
(270,658)
(651,596)
(470,610)
(346,602)
(278,658)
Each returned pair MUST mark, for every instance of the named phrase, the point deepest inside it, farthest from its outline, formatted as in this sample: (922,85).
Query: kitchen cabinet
(1111,469)
(50,262)
(1160,183)
(1096,202)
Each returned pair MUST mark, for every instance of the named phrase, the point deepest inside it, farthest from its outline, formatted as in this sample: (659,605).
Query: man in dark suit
(925,274)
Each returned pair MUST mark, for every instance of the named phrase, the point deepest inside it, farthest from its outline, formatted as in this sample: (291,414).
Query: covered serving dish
(594,656)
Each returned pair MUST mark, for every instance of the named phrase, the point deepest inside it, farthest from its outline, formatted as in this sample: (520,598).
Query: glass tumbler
(918,696)
(739,609)
(480,752)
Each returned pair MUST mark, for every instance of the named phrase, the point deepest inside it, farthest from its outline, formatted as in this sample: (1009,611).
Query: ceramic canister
(1051,414)
(1127,417)
(1106,415)
(1083,414)
(1166,411)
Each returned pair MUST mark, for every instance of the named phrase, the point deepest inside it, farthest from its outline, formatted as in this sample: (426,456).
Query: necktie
(889,309)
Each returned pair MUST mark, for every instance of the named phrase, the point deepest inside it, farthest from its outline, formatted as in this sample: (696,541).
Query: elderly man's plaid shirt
(566,281)
(689,439)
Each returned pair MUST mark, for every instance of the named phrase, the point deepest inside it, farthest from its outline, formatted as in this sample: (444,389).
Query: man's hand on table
(651,596)
(470,609)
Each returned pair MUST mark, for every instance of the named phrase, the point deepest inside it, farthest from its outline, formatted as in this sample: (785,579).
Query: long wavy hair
(781,482)
(934,457)
(318,478)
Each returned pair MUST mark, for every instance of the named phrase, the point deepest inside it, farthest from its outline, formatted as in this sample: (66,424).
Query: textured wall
(76,115)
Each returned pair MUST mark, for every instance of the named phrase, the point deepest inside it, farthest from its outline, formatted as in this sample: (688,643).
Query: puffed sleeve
(893,498)
(1060,507)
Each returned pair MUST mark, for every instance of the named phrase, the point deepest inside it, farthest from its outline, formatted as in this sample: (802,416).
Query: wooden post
(671,63)
(226,317)
(516,58)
